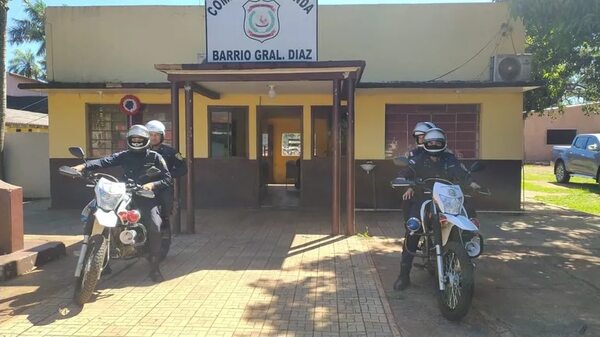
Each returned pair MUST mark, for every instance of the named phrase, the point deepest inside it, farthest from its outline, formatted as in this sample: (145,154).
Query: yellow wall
(280,126)
(500,120)
(408,42)
(67,115)
(501,125)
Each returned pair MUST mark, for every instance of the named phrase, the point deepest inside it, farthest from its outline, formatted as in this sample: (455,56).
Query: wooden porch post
(350,155)
(176,225)
(189,153)
(335,167)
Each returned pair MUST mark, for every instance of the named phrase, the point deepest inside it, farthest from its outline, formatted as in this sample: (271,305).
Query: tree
(31,29)
(564,39)
(3,16)
(25,63)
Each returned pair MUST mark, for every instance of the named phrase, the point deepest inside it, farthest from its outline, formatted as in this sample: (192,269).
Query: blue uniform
(175,162)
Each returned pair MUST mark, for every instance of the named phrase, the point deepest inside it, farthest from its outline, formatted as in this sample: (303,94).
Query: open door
(281,152)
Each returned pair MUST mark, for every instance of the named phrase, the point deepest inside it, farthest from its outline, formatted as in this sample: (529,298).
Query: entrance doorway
(280,155)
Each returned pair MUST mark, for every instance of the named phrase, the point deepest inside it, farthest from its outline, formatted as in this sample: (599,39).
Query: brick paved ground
(246,273)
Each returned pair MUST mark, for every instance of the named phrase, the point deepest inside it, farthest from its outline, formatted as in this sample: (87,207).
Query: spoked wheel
(455,300)
(92,268)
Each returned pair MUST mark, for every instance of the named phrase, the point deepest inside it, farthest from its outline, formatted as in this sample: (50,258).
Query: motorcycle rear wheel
(454,302)
(85,284)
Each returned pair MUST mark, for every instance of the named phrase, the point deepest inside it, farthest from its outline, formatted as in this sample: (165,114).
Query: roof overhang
(453,86)
(263,72)
(113,86)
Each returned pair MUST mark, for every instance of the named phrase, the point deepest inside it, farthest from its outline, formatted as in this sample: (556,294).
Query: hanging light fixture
(272,92)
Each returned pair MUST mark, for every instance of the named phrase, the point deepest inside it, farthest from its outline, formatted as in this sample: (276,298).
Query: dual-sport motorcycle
(113,227)
(449,240)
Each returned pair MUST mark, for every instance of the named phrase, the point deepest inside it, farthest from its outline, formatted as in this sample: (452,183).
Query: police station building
(285,103)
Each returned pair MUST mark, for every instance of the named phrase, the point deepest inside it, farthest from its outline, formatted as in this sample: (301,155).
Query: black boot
(403,280)
(155,274)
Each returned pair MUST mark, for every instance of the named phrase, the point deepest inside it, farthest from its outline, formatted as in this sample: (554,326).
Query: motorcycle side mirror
(400,161)
(69,172)
(77,152)
(145,194)
(477,166)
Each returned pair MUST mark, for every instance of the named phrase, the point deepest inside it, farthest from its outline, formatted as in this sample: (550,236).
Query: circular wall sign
(130,105)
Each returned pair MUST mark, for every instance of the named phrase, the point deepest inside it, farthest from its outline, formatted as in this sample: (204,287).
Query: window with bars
(107,126)
(459,121)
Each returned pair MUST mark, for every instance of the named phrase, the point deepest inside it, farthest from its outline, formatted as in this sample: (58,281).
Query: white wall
(27,163)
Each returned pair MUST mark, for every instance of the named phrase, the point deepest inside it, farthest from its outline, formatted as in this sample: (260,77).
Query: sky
(16,9)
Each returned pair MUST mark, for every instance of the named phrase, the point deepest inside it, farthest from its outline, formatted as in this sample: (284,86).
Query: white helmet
(435,141)
(156,127)
(138,138)
(420,129)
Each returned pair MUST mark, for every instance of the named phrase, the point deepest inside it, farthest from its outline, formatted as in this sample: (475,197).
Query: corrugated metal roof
(23,117)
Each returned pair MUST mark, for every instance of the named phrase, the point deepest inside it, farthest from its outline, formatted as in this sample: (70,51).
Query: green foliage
(24,63)
(581,194)
(564,38)
(31,29)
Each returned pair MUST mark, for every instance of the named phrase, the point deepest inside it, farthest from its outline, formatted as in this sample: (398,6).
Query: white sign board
(261,30)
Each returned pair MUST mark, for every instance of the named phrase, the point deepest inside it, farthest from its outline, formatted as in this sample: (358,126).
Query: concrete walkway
(246,273)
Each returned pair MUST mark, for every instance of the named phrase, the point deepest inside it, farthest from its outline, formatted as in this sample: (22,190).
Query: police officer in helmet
(418,134)
(433,161)
(175,164)
(135,162)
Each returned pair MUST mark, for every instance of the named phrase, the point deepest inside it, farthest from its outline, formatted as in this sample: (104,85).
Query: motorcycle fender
(106,219)
(459,221)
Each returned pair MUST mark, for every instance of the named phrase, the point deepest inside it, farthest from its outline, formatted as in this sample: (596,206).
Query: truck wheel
(560,172)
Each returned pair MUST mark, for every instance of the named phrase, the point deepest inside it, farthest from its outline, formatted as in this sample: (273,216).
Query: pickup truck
(582,158)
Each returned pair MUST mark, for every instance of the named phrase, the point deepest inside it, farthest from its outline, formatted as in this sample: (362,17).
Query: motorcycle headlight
(108,194)
(451,205)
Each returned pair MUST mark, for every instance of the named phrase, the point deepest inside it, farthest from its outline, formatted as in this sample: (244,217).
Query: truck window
(580,142)
(592,140)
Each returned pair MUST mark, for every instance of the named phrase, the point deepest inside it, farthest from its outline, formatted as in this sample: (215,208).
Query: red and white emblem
(261,19)
(130,105)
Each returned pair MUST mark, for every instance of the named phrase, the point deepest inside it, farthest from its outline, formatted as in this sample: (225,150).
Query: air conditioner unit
(511,68)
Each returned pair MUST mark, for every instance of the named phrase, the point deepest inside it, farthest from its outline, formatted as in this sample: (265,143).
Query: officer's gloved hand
(475,186)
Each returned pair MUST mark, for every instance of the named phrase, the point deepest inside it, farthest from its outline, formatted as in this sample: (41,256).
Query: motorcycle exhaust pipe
(440,267)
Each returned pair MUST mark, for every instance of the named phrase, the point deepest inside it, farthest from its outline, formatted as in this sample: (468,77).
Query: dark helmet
(138,138)
(420,129)
(435,141)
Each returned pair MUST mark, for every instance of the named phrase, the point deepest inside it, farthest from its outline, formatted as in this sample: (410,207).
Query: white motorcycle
(448,243)
(114,230)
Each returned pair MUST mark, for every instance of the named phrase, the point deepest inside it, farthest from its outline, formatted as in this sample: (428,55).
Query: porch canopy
(340,77)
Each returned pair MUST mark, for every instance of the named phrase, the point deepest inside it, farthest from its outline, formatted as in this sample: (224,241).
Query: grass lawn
(579,194)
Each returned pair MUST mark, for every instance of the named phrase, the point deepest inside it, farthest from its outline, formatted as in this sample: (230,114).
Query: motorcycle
(448,242)
(112,227)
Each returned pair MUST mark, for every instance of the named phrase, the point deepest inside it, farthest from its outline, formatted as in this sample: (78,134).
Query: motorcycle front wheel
(85,284)
(454,302)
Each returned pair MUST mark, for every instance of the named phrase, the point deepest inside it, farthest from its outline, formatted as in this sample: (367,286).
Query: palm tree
(31,29)
(24,63)
(3,10)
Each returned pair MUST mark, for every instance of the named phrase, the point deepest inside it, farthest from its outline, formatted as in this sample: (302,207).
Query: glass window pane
(228,132)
